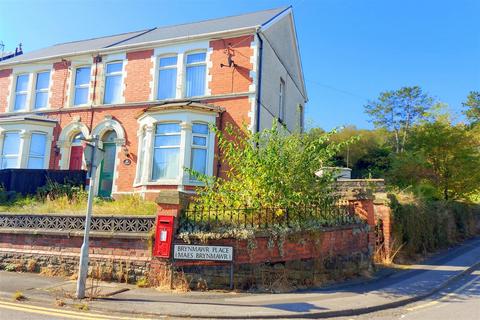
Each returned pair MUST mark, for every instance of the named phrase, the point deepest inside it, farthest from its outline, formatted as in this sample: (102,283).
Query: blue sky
(351,49)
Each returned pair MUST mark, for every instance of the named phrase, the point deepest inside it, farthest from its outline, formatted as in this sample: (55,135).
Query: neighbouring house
(149,96)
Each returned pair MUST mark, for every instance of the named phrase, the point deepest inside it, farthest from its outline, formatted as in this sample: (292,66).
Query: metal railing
(200,218)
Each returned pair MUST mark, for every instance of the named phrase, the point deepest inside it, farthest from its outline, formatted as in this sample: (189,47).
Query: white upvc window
(195,74)
(141,155)
(42,85)
(166,151)
(82,85)
(10,150)
(113,82)
(281,101)
(36,154)
(169,142)
(167,77)
(21,92)
(198,158)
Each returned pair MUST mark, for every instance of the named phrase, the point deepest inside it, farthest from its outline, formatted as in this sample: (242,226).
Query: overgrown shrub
(426,226)
(54,190)
(270,168)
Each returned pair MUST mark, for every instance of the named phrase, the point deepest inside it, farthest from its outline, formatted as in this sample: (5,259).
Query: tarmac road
(459,301)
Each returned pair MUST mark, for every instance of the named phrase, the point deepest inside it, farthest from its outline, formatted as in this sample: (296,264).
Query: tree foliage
(473,107)
(443,159)
(397,111)
(368,156)
(270,169)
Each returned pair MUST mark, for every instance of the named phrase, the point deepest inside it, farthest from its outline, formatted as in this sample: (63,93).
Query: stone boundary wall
(121,256)
(299,260)
(117,257)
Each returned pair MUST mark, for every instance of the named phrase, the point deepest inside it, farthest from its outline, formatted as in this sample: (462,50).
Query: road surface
(459,301)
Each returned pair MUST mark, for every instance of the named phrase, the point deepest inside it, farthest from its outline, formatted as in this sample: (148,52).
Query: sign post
(93,156)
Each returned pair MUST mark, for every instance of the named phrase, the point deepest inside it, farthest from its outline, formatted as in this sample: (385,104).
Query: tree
(397,111)
(368,156)
(442,156)
(473,105)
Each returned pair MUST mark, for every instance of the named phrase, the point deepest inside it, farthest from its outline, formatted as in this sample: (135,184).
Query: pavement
(391,290)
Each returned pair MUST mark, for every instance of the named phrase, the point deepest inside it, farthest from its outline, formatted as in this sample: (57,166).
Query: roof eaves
(135,45)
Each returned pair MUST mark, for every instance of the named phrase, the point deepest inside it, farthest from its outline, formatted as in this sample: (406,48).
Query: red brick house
(149,96)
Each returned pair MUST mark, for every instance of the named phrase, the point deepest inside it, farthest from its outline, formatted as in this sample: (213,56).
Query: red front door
(76,158)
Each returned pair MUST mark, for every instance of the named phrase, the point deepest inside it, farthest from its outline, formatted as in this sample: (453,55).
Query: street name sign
(195,252)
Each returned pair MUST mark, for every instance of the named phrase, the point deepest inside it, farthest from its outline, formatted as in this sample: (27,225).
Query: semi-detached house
(149,96)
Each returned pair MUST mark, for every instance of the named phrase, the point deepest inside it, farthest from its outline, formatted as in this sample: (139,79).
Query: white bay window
(25,142)
(10,150)
(172,140)
(36,156)
(199,147)
(166,151)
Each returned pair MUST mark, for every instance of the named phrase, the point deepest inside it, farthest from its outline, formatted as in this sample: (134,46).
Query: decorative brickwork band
(69,222)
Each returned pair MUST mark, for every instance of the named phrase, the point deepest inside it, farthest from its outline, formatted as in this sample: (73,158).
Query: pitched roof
(249,20)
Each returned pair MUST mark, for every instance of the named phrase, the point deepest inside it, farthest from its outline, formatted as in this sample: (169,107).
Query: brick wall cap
(172,197)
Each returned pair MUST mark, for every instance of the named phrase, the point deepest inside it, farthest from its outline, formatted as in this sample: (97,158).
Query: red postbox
(163,236)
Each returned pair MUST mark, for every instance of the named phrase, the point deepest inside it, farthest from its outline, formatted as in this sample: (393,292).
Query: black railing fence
(201,218)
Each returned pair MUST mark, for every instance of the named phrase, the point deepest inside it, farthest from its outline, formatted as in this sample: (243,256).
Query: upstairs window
(281,101)
(166,153)
(10,150)
(113,83)
(36,155)
(41,89)
(199,147)
(196,74)
(21,92)
(82,86)
(167,78)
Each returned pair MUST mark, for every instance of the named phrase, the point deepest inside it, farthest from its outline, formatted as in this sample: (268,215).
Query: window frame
(44,156)
(152,155)
(82,86)
(18,155)
(160,68)
(25,92)
(185,70)
(194,146)
(44,90)
(116,73)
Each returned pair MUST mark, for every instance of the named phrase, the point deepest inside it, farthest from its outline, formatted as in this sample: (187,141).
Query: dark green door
(107,168)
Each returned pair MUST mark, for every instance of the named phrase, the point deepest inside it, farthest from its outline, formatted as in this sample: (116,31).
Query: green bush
(54,190)
(426,226)
(270,168)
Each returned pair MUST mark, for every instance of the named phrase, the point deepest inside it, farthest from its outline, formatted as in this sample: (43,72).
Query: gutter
(259,81)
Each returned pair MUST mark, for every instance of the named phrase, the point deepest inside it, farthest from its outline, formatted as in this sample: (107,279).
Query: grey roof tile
(149,35)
